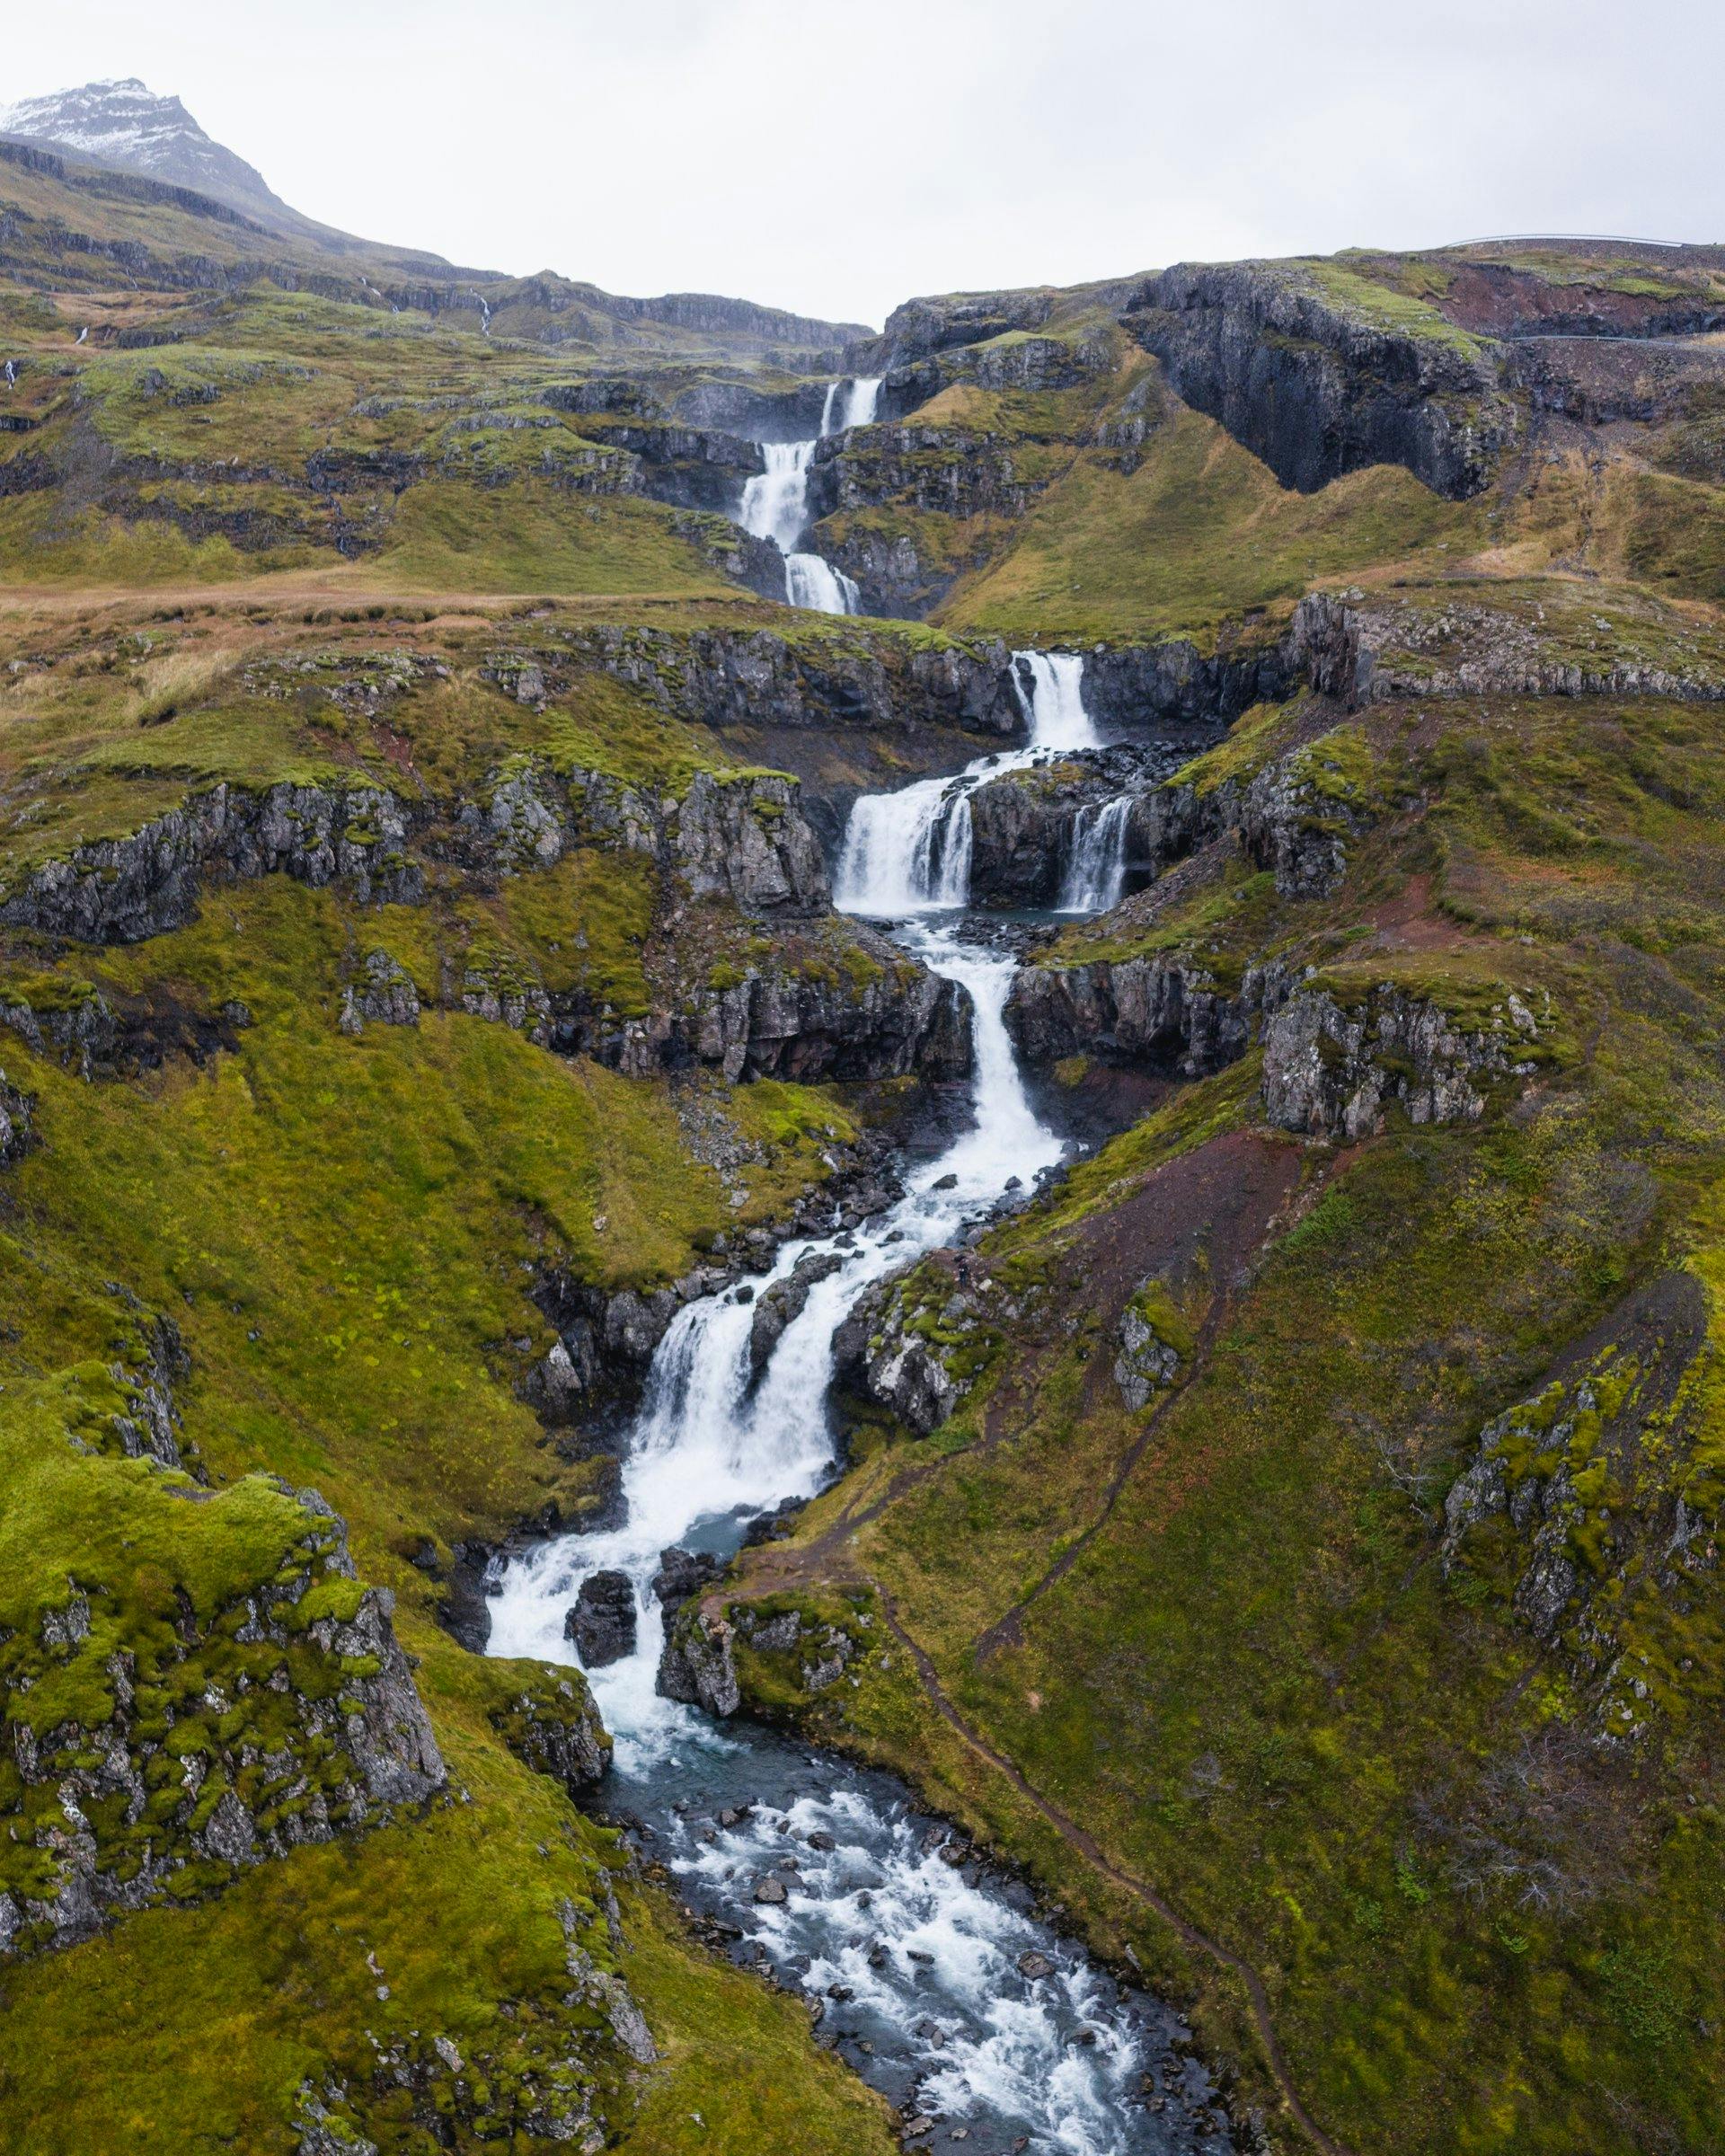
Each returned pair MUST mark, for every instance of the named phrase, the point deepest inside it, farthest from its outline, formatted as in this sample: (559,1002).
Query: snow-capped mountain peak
(123,122)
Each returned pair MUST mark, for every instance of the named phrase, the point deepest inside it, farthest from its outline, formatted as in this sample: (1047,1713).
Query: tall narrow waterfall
(775,502)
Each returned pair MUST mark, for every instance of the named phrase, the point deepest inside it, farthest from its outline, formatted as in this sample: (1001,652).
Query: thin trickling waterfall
(1096,867)
(775,502)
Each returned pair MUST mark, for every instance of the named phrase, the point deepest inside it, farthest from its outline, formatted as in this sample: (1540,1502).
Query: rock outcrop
(784,1301)
(1591,1504)
(386,996)
(696,1667)
(121,890)
(722,678)
(15,1108)
(1379,652)
(912,1344)
(602,1620)
(1188,695)
(744,837)
(278,1719)
(883,1016)
(552,1724)
(1330,1072)
(683,1573)
(1022,825)
(1320,373)
(1166,1012)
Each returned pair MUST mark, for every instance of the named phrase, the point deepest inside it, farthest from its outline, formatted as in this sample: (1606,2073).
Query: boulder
(683,1573)
(784,1302)
(696,1666)
(602,1620)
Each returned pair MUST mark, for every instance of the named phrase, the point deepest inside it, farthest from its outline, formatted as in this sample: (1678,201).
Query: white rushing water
(918,1949)
(909,852)
(711,1439)
(775,502)
(710,1442)
(1096,868)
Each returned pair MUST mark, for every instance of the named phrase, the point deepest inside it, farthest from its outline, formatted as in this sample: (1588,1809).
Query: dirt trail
(1220,1201)
(1086,1846)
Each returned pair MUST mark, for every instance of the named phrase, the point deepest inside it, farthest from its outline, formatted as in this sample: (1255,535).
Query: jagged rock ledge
(303,1719)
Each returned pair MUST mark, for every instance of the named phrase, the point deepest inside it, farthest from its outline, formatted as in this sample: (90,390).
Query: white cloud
(838,158)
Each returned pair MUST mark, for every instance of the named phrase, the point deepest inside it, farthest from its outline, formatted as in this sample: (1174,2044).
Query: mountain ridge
(120,127)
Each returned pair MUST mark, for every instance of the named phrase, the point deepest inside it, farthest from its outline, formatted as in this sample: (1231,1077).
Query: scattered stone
(1034,1965)
(769,1889)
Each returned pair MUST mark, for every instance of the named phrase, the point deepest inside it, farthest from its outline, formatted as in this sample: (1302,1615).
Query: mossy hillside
(1249,1676)
(346,1230)
(343,1300)
(278,434)
(100,733)
(201,2028)
(1198,533)
(1389,1960)
(1364,301)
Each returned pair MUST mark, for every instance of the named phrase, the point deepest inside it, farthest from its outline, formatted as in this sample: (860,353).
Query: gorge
(861,1255)
(937,1979)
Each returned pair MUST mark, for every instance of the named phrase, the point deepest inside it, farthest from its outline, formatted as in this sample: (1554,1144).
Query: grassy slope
(365,1208)
(342,1232)
(1197,535)
(1248,1679)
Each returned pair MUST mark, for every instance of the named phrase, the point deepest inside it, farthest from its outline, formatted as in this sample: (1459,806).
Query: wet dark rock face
(1165,1012)
(1317,388)
(1190,696)
(683,1573)
(602,1621)
(1022,825)
(721,678)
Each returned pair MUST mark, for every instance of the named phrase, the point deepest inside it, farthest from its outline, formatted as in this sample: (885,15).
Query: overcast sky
(837,159)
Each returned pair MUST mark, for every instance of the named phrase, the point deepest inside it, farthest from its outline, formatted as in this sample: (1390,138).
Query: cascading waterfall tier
(909,852)
(775,502)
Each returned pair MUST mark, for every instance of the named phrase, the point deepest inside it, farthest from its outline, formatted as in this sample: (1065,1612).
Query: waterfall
(775,502)
(909,852)
(1054,700)
(862,400)
(1096,868)
(906,852)
(931,1961)
(808,581)
(711,1441)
